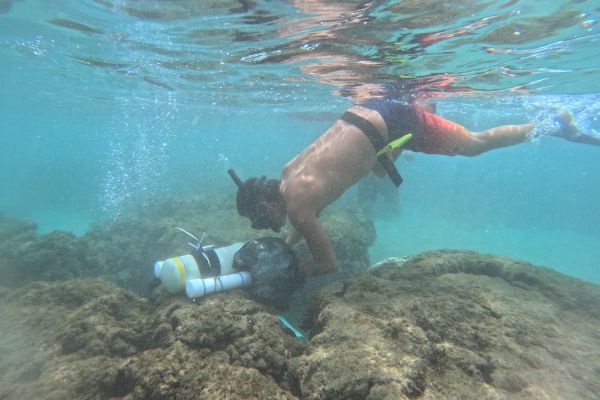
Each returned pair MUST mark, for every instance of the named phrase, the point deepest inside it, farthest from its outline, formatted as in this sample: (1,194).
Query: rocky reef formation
(446,324)
(124,251)
(90,339)
(455,325)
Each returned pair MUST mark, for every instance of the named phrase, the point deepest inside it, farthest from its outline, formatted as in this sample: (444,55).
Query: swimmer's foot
(569,131)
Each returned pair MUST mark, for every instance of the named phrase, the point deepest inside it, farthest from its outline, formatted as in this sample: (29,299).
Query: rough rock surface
(124,251)
(454,325)
(440,325)
(89,339)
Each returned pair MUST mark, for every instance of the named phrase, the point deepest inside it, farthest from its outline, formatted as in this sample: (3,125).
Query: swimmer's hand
(293,238)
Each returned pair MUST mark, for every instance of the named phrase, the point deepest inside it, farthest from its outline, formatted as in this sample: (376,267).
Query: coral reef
(454,325)
(445,324)
(90,339)
(125,250)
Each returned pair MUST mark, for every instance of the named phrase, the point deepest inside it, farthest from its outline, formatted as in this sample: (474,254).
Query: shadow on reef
(445,324)
(124,251)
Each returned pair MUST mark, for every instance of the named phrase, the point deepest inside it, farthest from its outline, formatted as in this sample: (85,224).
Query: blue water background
(76,151)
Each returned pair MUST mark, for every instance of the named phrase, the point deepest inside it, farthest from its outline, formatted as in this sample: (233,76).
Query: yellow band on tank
(181,269)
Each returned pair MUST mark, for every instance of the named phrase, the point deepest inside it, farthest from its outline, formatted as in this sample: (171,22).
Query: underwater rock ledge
(454,325)
(444,324)
(124,250)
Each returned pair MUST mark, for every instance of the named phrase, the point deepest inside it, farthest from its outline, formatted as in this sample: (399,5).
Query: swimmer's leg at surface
(468,143)
(569,131)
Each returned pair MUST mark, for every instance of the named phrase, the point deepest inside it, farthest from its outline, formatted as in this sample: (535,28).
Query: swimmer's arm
(310,228)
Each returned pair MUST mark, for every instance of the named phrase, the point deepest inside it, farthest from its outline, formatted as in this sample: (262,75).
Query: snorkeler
(368,137)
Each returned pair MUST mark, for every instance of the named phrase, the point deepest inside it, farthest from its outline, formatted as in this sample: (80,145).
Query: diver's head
(261,201)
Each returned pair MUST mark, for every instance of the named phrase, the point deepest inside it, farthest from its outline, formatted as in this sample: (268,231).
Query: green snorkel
(387,163)
(395,144)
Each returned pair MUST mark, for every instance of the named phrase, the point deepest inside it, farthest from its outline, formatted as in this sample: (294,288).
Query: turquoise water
(106,104)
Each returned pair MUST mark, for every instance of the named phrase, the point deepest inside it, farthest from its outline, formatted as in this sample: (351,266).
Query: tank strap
(208,263)
(377,141)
